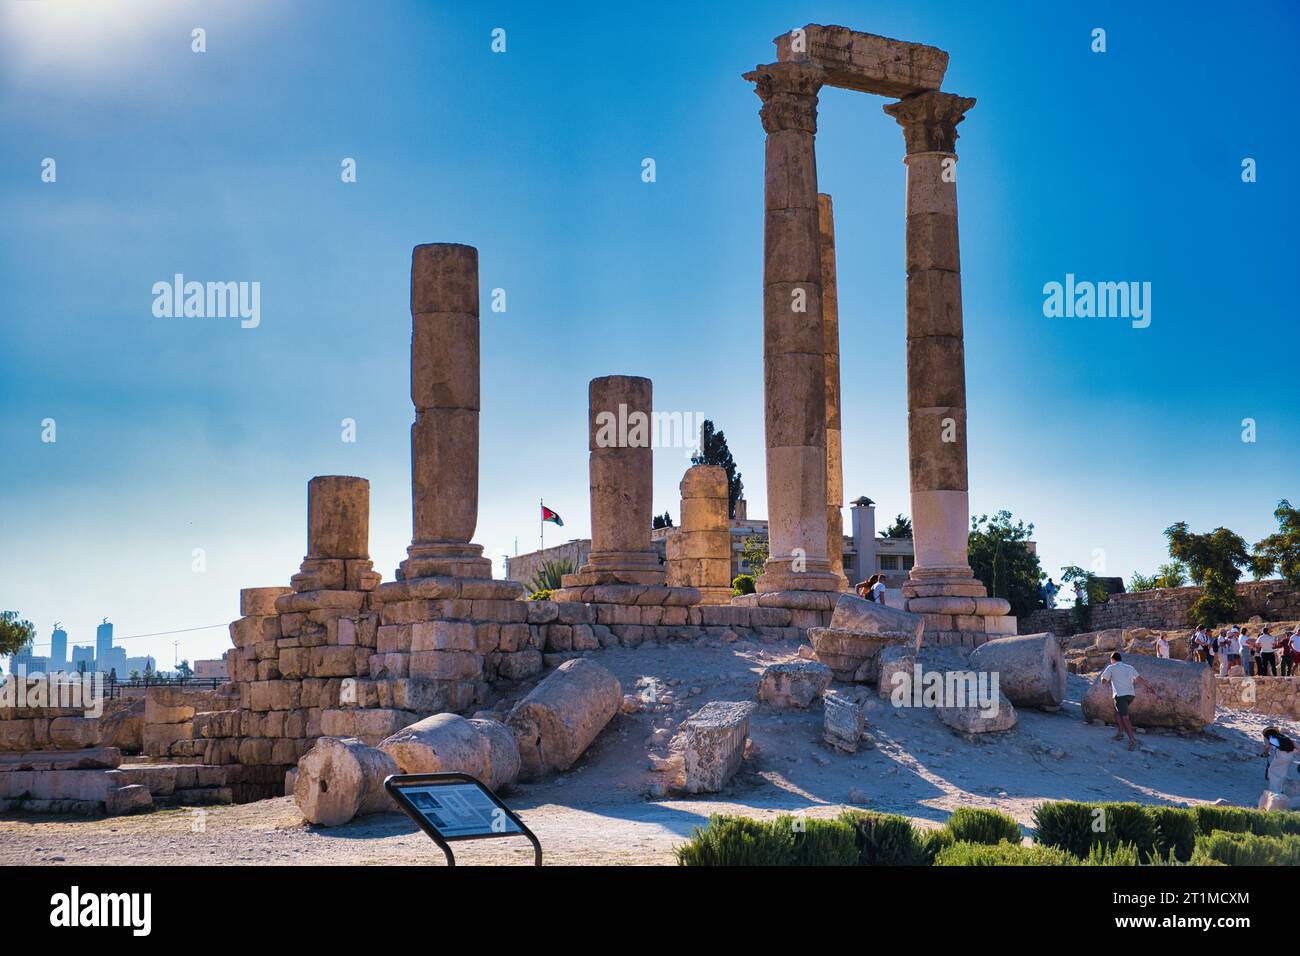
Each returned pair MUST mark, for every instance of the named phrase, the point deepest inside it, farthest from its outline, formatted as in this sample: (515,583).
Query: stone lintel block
(259,602)
(306,601)
(446,665)
(843,721)
(864,61)
(442,636)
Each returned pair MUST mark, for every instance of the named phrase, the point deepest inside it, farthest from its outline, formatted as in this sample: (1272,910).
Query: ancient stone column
(699,551)
(936,367)
(445,390)
(338,536)
(793,364)
(622,484)
(831,369)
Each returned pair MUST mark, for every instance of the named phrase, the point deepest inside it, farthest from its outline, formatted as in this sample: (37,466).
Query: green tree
(1000,559)
(664,520)
(15,633)
(184,669)
(714,451)
(1171,575)
(1141,582)
(1214,561)
(1094,593)
(755,553)
(1280,553)
(548,576)
(901,528)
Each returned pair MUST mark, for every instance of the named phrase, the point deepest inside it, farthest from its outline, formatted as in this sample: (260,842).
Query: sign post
(456,806)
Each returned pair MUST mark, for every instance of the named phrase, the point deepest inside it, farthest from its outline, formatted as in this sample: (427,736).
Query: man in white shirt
(1264,644)
(1124,681)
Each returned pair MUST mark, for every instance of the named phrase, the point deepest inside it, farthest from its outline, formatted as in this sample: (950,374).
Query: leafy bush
(976,825)
(1118,854)
(1247,849)
(885,839)
(543,595)
(1177,832)
(1065,824)
(742,584)
(1003,854)
(785,841)
(737,841)
(1240,820)
(822,842)
(1130,823)
(549,576)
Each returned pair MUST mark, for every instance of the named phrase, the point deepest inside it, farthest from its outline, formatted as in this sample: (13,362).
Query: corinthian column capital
(789,94)
(929,120)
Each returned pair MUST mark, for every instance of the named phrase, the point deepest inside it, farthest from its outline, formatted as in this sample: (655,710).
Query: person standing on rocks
(1124,681)
(1162,646)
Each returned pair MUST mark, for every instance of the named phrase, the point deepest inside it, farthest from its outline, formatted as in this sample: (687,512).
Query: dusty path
(599,811)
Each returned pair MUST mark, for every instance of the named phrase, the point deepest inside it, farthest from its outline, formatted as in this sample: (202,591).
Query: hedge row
(1069,834)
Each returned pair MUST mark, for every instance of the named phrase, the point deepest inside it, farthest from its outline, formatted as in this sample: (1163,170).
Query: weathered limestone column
(622,485)
(445,390)
(941,581)
(831,386)
(338,536)
(699,552)
(793,369)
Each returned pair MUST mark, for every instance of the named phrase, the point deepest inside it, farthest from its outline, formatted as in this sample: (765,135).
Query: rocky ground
(605,809)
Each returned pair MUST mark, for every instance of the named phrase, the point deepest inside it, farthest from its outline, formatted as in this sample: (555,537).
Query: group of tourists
(873,588)
(1259,655)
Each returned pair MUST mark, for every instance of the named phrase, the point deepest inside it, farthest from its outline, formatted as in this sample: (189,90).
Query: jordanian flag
(549,515)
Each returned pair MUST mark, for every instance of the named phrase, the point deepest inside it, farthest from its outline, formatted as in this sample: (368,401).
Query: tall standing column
(831,387)
(936,366)
(445,390)
(793,350)
(622,484)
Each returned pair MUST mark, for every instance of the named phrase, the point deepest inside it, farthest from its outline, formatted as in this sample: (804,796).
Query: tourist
(878,590)
(1162,646)
(1279,751)
(1124,681)
(1265,646)
(1291,663)
(1048,592)
(1200,645)
(1221,652)
(1234,647)
(1247,652)
(866,589)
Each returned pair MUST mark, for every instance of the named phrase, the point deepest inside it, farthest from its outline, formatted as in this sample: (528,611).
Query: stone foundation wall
(1167,608)
(1277,696)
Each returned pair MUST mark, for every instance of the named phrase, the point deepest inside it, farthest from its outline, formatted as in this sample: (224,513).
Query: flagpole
(541,525)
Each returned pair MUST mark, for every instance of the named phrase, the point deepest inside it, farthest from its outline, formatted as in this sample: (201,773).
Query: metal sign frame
(397,783)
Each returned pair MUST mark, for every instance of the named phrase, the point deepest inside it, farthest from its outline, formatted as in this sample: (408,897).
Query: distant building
(211,669)
(83,658)
(141,665)
(103,644)
(58,649)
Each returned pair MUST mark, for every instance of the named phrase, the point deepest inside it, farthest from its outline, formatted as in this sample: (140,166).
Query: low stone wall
(1277,696)
(1167,608)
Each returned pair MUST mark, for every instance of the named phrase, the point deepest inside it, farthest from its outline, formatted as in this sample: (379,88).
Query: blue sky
(176,434)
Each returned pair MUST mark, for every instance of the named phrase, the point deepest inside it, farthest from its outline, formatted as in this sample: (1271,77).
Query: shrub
(742,584)
(1247,849)
(885,839)
(543,595)
(1003,854)
(976,825)
(1117,854)
(1129,823)
(737,841)
(785,841)
(1241,820)
(1065,824)
(822,842)
(1177,832)
(935,841)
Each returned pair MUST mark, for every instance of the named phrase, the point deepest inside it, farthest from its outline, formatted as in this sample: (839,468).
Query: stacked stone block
(699,552)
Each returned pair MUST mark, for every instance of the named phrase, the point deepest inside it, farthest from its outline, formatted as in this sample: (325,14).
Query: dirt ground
(603,810)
